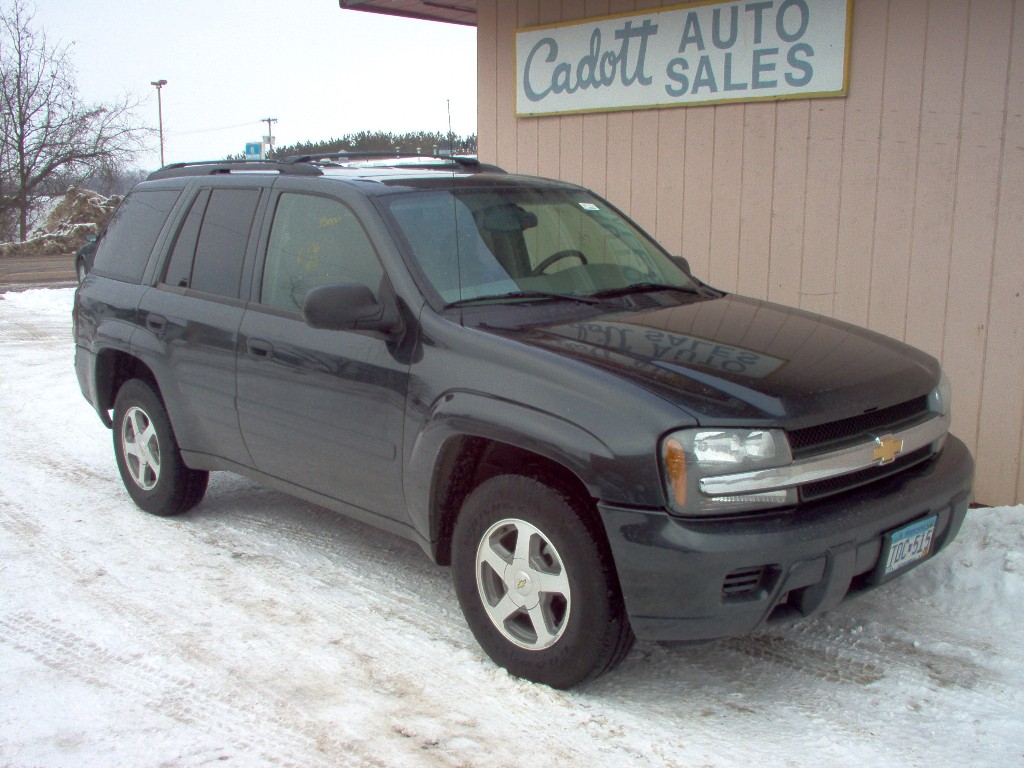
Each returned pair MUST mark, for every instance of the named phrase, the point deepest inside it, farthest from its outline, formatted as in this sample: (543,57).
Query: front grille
(856,429)
(746,583)
(817,490)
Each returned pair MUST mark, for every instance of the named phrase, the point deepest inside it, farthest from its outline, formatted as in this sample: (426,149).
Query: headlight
(690,454)
(939,400)
(733,447)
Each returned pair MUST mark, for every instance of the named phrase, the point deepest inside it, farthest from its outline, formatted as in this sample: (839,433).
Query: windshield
(518,244)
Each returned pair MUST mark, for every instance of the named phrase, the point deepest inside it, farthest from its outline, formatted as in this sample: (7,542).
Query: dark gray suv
(511,373)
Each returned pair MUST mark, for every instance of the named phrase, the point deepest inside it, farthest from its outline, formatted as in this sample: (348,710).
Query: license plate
(908,545)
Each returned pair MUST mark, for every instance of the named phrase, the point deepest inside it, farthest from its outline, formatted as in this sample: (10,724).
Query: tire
(536,583)
(148,456)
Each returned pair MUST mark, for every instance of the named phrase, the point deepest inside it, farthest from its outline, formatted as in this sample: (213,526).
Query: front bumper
(685,579)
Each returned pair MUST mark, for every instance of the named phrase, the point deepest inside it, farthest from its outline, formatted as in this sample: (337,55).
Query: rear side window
(179,266)
(132,232)
(223,238)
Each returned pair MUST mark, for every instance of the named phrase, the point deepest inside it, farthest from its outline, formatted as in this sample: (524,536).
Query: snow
(259,630)
(63,223)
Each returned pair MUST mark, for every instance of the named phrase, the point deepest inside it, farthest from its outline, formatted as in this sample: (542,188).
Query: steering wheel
(568,253)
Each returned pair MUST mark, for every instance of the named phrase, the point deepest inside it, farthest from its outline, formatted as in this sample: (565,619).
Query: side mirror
(347,307)
(683,264)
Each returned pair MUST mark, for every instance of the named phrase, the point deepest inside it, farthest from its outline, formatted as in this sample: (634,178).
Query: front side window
(315,241)
(474,244)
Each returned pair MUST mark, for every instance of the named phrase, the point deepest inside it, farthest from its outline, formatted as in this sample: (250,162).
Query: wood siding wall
(899,207)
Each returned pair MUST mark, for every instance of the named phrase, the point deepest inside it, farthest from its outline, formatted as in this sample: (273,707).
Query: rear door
(318,408)
(191,317)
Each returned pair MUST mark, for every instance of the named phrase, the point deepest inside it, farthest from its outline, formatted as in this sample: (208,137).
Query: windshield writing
(512,243)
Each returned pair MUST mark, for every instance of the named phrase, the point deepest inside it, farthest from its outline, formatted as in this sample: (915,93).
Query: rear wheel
(148,456)
(536,583)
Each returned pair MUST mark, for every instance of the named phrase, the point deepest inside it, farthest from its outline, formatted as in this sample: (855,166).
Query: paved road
(20,272)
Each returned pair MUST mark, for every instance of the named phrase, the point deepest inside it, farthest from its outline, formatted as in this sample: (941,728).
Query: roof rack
(309,165)
(213,167)
(392,159)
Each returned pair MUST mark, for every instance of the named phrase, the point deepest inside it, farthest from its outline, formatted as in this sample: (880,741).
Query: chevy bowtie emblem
(886,450)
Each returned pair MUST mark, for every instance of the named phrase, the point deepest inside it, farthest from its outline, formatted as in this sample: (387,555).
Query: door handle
(259,348)
(156,323)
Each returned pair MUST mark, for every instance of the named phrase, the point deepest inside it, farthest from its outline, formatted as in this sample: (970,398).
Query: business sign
(705,53)
(253,151)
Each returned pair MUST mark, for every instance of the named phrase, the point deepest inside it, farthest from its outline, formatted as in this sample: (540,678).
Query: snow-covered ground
(258,630)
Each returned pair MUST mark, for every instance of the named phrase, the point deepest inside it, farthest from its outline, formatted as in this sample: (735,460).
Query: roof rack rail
(308,165)
(213,167)
(313,157)
(393,159)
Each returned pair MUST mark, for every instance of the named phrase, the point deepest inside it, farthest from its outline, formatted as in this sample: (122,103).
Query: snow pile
(258,630)
(68,221)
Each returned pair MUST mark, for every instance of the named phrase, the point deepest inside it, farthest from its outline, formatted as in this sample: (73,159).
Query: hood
(734,359)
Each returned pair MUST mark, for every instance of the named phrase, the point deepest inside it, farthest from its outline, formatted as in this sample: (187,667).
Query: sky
(321,71)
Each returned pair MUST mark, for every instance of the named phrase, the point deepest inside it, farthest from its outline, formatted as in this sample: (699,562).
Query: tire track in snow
(253,726)
(413,668)
(882,647)
(824,662)
(373,642)
(43,334)
(347,556)
(241,710)
(399,642)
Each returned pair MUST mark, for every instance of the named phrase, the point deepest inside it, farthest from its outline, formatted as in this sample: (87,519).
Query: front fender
(629,479)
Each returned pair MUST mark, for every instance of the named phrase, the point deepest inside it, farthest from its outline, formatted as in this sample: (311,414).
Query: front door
(321,409)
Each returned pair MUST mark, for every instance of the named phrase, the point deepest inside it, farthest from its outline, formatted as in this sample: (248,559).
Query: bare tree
(48,136)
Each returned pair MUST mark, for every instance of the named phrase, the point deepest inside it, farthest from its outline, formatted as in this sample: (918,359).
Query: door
(318,408)
(191,319)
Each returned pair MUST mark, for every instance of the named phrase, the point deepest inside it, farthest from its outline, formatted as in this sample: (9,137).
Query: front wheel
(536,583)
(148,456)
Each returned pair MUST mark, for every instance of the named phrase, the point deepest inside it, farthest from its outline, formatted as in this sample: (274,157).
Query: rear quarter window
(128,241)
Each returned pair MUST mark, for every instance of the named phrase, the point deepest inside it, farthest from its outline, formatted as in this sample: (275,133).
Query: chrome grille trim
(825,466)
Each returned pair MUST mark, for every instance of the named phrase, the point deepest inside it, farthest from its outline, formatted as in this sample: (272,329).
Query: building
(898,205)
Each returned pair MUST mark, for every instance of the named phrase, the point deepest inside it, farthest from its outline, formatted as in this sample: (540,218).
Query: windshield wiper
(498,297)
(644,288)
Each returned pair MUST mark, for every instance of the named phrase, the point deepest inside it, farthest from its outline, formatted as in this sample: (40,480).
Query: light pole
(160,112)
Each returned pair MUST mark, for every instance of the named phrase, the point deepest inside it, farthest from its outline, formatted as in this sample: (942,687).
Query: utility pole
(160,113)
(270,132)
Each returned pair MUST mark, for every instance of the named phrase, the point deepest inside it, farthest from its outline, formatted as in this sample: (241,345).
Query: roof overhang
(456,12)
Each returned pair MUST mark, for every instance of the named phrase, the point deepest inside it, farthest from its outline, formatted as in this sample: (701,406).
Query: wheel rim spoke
(492,558)
(541,619)
(502,611)
(553,583)
(524,541)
